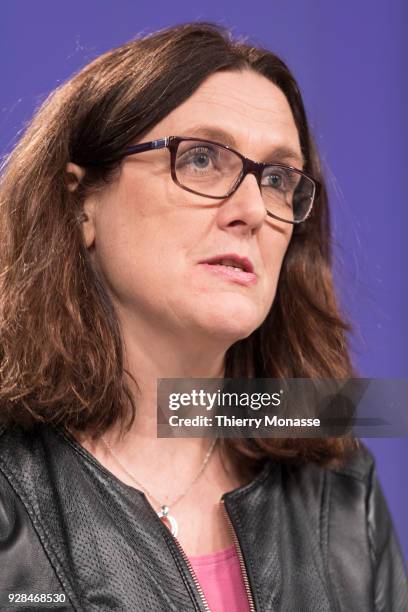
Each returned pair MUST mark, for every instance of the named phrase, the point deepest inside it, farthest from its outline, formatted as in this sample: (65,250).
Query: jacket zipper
(241,563)
(241,559)
(183,554)
(193,575)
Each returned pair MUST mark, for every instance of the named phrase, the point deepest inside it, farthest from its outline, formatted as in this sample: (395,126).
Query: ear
(88,221)
(75,174)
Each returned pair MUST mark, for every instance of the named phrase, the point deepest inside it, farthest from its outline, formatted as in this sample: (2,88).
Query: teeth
(227,262)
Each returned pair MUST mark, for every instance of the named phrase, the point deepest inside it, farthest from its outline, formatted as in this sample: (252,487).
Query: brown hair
(61,358)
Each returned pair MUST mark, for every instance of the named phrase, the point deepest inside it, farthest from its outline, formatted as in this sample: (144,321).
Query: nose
(245,208)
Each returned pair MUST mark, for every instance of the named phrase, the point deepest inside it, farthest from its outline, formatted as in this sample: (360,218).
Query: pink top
(220,577)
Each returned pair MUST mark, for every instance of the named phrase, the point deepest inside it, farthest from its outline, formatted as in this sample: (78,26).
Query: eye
(280,179)
(274,180)
(198,159)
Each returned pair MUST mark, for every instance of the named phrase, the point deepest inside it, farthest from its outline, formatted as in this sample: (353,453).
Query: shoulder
(349,498)
(350,516)
(24,562)
(359,466)
(357,531)
(23,468)
(350,482)
(21,447)
(17,460)
(344,487)
(389,578)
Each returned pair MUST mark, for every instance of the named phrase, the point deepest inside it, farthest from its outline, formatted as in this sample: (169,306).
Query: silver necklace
(163,513)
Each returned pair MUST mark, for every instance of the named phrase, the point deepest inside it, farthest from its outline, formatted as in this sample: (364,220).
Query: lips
(231,268)
(231,260)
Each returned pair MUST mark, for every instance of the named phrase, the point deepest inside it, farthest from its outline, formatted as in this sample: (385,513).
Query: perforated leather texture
(313,539)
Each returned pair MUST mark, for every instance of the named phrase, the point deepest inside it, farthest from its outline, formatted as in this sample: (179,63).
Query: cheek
(141,254)
(274,252)
(275,261)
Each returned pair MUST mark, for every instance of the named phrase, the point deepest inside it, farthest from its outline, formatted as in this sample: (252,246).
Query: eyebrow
(280,153)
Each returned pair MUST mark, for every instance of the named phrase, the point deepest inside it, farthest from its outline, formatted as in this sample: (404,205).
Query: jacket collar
(99,532)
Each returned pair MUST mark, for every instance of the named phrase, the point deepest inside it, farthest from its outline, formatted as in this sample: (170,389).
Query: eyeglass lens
(211,170)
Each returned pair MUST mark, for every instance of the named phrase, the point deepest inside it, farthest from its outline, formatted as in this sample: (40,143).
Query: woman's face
(149,238)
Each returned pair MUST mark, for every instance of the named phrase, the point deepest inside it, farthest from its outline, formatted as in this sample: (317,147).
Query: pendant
(168,520)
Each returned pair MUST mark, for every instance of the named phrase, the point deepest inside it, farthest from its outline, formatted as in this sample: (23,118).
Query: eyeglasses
(214,170)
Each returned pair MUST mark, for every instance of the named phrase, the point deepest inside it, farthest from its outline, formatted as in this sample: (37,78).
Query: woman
(138,242)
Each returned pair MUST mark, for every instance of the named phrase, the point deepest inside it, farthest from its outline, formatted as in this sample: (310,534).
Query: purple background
(351,64)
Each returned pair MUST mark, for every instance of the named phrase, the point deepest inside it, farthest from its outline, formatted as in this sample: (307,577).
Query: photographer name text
(253,422)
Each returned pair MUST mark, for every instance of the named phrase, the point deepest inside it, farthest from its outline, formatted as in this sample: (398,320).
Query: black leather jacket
(311,539)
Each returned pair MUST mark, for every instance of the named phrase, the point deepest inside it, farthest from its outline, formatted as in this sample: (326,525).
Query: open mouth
(232,268)
(232,261)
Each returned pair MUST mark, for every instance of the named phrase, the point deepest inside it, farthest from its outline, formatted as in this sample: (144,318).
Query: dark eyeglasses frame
(248,167)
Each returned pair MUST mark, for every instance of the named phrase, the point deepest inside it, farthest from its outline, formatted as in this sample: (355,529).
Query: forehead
(244,104)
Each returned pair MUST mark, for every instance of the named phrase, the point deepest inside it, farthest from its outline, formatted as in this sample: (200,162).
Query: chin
(231,325)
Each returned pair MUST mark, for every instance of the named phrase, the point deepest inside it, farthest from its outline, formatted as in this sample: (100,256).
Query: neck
(148,357)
